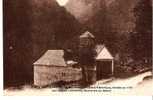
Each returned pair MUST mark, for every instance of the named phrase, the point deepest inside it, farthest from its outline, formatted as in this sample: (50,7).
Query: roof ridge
(51,57)
(87,33)
(101,49)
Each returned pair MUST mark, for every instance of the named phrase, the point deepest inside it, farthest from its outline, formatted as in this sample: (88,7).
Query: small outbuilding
(52,68)
(104,62)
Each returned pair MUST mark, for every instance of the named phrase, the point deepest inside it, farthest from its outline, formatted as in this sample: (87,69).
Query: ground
(141,84)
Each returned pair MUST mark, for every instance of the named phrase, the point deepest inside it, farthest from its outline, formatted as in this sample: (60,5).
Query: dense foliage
(141,39)
(33,26)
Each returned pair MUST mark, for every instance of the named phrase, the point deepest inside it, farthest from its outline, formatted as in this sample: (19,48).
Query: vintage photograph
(53,47)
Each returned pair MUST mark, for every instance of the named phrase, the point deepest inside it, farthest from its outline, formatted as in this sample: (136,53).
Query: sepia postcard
(77,47)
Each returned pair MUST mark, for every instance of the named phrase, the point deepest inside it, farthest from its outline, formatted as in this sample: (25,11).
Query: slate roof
(52,57)
(55,57)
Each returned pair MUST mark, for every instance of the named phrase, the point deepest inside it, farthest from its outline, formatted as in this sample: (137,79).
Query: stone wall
(47,75)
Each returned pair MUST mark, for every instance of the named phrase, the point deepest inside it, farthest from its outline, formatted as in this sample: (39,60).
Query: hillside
(111,21)
(33,26)
(30,28)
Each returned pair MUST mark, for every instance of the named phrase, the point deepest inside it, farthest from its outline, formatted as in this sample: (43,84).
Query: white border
(80,98)
(1,48)
(49,97)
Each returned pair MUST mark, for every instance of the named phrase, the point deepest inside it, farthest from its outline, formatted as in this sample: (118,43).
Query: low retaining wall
(46,75)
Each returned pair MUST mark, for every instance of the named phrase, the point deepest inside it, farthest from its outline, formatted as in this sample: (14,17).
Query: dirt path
(132,81)
(129,86)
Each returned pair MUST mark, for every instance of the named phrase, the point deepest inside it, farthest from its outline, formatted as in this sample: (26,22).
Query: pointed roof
(52,57)
(87,34)
(103,53)
(98,48)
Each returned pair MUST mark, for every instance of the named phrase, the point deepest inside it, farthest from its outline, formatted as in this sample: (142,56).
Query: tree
(71,51)
(141,39)
(17,42)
